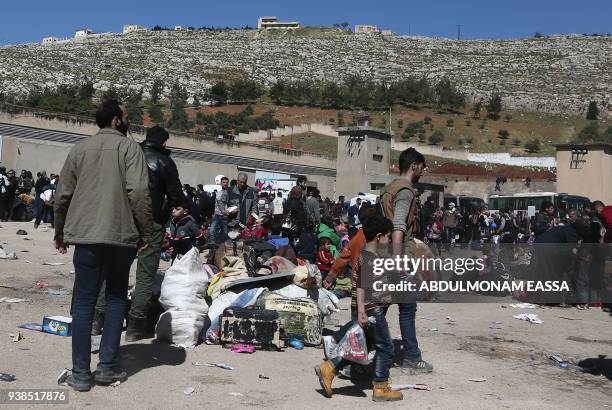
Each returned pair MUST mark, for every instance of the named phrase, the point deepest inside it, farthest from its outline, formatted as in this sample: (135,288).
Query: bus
(469,203)
(521,201)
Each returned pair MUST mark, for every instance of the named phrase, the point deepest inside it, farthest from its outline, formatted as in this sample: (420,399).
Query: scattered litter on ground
(523,305)
(16,337)
(425,318)
(448,334)
(31,326)
(296,343)
(530,317)
(115,384)
(27,239)
(410,386)
(25,250)
(63,376)
(54,263)
(451,320)
(58,292)
(494,327)
(240,348)
(433,329)
(41,284)
(568,318)
(188,391)
(5,377)
(235,394)
(478,379)
(533,359)
(7,255)
(12,300)
(559,361)
(219,365)
(263,376)
(21,232)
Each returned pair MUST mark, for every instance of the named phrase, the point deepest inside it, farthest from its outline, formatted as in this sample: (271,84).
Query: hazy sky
(29,21)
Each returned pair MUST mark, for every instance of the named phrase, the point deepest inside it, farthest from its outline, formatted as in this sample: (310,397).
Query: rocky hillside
(555,74)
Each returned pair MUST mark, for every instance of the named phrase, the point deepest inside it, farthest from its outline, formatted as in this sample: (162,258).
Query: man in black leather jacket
(166,192)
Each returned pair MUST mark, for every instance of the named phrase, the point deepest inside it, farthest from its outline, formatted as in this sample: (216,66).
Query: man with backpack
(399,203)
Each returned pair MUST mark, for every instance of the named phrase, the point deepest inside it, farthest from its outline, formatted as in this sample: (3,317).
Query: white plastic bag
(180,327)
(353,346)
(182,294)
(185,283)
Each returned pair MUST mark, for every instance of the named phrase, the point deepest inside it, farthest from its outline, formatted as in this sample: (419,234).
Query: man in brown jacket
(102,206)
(399,202)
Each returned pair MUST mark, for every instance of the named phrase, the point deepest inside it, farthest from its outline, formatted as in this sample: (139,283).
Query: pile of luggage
(243,294)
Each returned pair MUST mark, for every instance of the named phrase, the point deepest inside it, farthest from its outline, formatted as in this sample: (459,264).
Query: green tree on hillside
(436,137)
(156,90)
(476,109)
(86,90)
(592,111)
(219,92)
(589,133)
(179,120)
(494,106)
(503,134)
(178,94)
(447,96)
(533,145)
(156,114)
(277,91)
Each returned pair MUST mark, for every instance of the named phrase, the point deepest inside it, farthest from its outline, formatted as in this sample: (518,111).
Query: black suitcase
(253,326)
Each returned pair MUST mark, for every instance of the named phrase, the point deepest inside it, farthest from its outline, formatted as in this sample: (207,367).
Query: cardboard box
(57,325)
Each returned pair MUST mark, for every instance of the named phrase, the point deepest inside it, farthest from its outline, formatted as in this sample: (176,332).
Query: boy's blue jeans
(384,345)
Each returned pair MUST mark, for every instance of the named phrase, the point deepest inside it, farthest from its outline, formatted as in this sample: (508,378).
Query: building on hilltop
(130,28)
(50,40)
(366,29)
(272,23)
(83,33)
(182,28)
(585,169)
(388,33)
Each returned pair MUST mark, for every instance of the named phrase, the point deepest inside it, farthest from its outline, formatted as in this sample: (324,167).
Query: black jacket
(163,181)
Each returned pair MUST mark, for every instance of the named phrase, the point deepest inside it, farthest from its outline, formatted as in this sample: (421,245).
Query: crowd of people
(142,211)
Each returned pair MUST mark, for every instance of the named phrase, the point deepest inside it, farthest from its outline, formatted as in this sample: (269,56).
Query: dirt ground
(474,347)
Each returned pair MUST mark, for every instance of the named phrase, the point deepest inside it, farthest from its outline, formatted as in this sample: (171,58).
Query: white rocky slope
(555,74)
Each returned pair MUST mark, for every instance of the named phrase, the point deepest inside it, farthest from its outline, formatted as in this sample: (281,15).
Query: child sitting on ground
(324,257)
(377,231)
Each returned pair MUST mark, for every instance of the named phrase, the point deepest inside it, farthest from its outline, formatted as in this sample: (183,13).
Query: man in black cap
(164,183)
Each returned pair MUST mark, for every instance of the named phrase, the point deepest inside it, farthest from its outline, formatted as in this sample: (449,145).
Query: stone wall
(553,74)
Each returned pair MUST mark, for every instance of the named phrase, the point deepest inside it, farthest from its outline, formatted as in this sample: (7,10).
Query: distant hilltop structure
(85,33)
(272,23)
(131,28)
(366,29)
(372,29)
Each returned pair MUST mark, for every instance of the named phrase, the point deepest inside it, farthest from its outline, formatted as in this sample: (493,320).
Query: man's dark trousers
(93,264)
(146,268)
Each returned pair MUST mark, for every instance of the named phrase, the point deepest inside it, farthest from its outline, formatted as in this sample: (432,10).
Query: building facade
(50,40)
(366,29)
(130,28)
(83,33)
(272,23)
(585,170)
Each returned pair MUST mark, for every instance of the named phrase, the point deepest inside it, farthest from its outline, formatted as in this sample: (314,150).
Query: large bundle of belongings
(244,292)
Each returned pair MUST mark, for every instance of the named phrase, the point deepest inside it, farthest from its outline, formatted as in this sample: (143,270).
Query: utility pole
(459,31)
